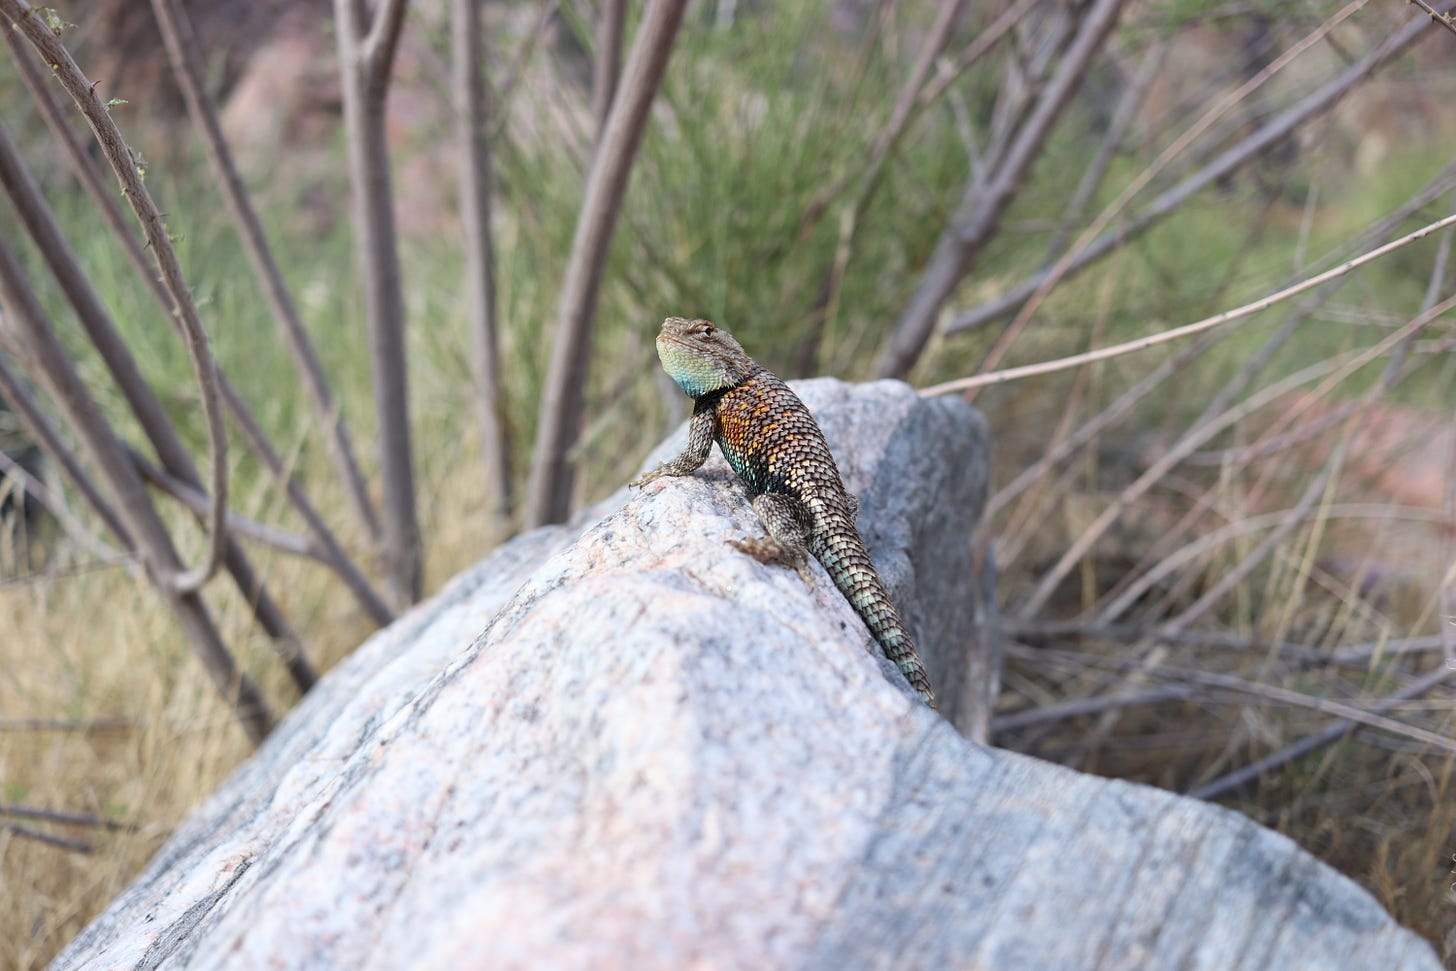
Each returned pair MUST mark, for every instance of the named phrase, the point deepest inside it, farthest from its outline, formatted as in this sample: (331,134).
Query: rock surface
(663,754)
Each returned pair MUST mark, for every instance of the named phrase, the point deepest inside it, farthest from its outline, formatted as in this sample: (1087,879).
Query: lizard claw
(645,478)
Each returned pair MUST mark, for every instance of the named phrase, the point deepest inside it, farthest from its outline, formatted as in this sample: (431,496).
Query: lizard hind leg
(787,542)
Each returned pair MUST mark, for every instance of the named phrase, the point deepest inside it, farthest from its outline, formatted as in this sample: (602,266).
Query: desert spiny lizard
(777,449)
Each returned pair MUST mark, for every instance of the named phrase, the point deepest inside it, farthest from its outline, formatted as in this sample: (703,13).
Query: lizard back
(773,443)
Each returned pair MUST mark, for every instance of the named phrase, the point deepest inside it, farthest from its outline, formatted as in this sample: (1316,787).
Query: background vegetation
(1227,561)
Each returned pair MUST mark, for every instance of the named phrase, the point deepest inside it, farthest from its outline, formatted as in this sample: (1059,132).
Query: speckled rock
(618,744)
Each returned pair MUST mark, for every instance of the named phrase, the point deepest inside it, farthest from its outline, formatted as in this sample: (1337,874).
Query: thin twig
(36,489)
(1327,735)
(1079,707)
(182,50)
(517,68)
(1176,148)
(1225,164)
(552,472)
(103,724)
(1165,463)
(65,817)
(1230,578)
(986,201)
(1176,560)
(62,842)
(1370,715)
(472,118)
(1208,323)
(40,430)
(1354,655)
(1444,19)
(184,309)
(193,498)
(150,415)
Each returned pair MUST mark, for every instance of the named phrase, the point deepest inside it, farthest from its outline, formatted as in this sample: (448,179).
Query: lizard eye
(707,330)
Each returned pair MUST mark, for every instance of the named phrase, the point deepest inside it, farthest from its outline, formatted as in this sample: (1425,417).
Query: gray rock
(662,754)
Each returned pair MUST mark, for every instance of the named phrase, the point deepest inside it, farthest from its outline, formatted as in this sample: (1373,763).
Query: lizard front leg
(700,439)
(789,524)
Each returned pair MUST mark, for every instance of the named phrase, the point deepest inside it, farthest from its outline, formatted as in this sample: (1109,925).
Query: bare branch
(83,93)
(23,326)
(182,49)
(1371,715)
(1282,520)
(1228,162)
(517,67)
(325,545)
(1096,705)
(153,419)
(103,724)
(1336,369)
(1328,735)
(552,475)
(1122,119)
(472,118)
(380,45)
(194,499)
(364,68)
(984,41)
(14,473)
(1230,578)
(961,243)
(44,434)
(607,61)
(906,105)
(45,231)
(1176,333)
(1154,473)
(1444,19)
(65,817)
(62,842)
(1176,148)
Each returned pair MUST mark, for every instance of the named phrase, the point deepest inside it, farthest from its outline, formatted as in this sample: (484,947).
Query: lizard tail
(848,564)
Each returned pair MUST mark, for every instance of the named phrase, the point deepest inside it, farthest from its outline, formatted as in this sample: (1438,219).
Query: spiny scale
(777,449)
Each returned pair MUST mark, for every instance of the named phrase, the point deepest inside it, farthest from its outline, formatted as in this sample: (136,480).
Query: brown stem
(61,842)
(607,61)
(1226,163)
(28,335)
(365,60)
(182,50)
(552,474)
(157,426)
(44,230)
(472,118)
(44,434)
(13,473)
(196,500)
(962,242)
(1328,735)
(184,310)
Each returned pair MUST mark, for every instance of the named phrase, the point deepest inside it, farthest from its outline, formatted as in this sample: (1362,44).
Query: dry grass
(103,710)
(1352,605)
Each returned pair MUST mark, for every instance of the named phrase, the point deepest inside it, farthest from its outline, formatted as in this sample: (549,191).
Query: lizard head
(700,356)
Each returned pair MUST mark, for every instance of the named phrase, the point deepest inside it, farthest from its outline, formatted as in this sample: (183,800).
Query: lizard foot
(645,478)
(765,549)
